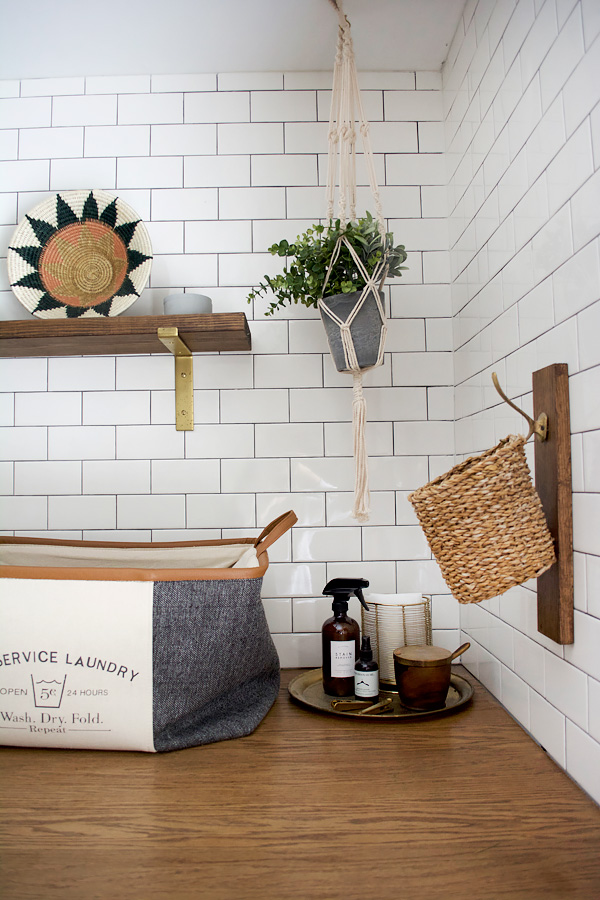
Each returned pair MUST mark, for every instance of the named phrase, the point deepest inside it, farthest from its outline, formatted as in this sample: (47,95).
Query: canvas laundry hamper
(123,646)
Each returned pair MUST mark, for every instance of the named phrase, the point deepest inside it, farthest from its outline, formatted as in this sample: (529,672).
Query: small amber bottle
(366,674)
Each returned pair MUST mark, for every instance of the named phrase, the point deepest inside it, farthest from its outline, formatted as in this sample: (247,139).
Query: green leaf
(309,257)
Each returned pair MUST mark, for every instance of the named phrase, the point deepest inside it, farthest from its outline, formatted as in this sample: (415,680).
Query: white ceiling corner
(70,37)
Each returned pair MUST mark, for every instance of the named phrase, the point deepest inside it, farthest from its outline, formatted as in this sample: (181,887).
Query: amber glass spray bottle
(340,637)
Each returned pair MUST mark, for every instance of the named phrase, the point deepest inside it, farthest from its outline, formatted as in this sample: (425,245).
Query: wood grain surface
(309,806)
(122,334)
(553,483)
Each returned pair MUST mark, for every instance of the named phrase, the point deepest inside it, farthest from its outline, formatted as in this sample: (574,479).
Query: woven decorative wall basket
(79,253)
(484,523)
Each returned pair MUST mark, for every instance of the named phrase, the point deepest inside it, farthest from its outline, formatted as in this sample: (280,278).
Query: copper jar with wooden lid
(423,675)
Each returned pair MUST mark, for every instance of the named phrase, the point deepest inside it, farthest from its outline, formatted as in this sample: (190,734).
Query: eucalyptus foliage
(308,259)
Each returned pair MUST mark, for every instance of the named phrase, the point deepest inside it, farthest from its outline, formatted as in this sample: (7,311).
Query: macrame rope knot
(361,485)
(349,349)
(346,118)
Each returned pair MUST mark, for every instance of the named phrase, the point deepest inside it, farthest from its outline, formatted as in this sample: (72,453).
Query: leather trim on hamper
(135,574)
(98,573)
(275,529)
(87,572)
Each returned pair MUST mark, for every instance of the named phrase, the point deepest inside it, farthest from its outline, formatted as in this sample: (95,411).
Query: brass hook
(539,427)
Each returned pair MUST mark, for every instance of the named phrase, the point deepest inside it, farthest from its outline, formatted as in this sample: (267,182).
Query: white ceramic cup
(182,304)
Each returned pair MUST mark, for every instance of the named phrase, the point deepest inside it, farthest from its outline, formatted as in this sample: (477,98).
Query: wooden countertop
(309,807)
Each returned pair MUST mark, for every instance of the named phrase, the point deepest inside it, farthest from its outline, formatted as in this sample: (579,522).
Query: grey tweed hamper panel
(216,669)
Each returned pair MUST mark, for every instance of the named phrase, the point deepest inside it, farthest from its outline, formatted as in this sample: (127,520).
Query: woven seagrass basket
(484,523)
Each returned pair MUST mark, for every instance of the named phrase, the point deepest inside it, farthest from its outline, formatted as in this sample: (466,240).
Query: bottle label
(342,659)
(366,684)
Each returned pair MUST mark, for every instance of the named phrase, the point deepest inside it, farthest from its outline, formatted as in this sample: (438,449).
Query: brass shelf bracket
(184,377)
(539,426)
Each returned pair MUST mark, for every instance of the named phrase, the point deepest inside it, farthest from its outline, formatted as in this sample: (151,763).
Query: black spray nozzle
(341,588)
(366,652)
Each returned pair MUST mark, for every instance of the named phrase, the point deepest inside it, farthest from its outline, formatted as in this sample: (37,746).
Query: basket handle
(275,529)
(539,427)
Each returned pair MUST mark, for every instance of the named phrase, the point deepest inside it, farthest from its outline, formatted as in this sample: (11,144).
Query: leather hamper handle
(275,529)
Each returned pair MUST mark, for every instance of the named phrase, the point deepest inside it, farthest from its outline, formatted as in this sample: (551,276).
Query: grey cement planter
(365,329)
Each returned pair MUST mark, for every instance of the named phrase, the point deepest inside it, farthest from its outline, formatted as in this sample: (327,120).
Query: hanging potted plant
(339,269)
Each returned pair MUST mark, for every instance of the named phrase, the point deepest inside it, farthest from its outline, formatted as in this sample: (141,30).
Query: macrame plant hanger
(346,111)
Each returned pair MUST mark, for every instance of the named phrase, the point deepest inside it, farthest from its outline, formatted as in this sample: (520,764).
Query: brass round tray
(307,689)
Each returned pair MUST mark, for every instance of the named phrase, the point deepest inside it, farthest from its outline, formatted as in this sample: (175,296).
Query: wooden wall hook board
(552,454)
(553,484)
(538,426)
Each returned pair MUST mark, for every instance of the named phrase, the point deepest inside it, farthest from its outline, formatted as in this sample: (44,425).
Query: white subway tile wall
(521,92)
(221,167)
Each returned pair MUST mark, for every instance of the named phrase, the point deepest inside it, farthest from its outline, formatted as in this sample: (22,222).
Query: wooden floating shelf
(206,333)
